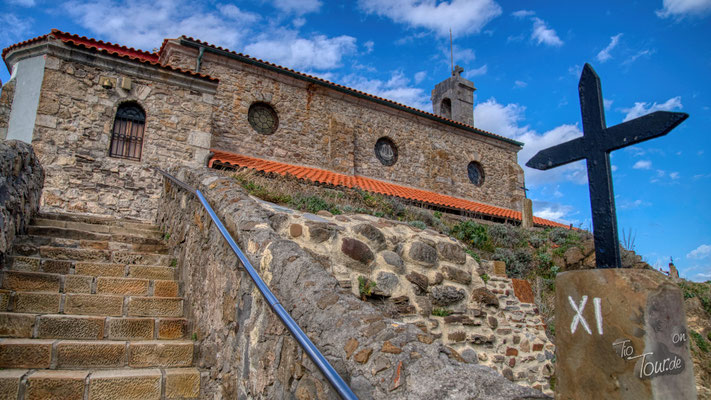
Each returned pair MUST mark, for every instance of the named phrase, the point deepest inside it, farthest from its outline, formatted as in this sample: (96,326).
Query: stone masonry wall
(73,132)
(323,128)
(21,179)
(416,271)
(7,93)
(245,352)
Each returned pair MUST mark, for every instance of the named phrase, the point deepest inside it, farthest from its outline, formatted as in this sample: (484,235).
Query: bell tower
(453,98)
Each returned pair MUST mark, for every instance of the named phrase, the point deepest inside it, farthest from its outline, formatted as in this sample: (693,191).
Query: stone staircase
(90,308)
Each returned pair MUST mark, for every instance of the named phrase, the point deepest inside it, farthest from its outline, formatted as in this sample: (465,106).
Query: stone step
(142,280)
(80,327)
(90,268)
(132,229)
(79,254)
(62,220)
(76,354)
(123,384)
(31,243)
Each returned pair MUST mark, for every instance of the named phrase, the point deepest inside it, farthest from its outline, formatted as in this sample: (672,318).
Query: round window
(476,173)
(386,151)
(263,118)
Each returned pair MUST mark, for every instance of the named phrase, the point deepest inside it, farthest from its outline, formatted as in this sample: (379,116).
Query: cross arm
(564,153)
(646,127)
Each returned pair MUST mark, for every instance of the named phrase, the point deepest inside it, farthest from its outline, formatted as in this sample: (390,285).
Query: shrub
(417,224)
(484,277)
(700,290)
(365,287)
(314,204)
(474,255)
(473,234)
(518,262)
(505,235)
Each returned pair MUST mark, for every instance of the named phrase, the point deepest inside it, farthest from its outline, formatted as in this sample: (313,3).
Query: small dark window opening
(476,173)
(386,151)
(445,109)
(127,135)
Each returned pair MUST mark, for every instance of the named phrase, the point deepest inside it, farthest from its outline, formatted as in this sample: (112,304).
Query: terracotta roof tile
(369,184)
(329,83)
(108,48)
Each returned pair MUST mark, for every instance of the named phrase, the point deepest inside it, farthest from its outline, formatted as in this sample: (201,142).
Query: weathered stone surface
(373,234)
(295,230)
(172,328)
(423,253)
(320,232)
(420,281)
(386,283)
(87,354)
(93,304)
(457,275)
(640,350)
(163,288)
(130,328)
(16,325)
(350,347)
(155,306)
(357,250)
(25,353)
(41,303)
(77,284)
(70,327)
(67,385)
(451,252)
(485,296)
(21,181)
(523,291)
(181,383)
(144,384)
(394,260)
(100,269)
(108,285)
(499,268)
(10,382)
(160,354)
(390,348)
(446,295)
(363,356)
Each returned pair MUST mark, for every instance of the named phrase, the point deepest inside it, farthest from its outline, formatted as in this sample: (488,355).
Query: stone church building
(101,115)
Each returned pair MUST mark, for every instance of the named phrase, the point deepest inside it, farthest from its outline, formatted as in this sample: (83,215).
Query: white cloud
(523,13)
(420,76)
(298,7)
(543,34)
(145,25)
(285,47)
(642,164)
(553,211)
(604,54)
(476,72)
(23,3)
(641,53)
(613,168)
(462,16)
(369,46)
(607,103)
(684,8)
(231,11)
(630,205)
(700,252)
(505,119)
(674,175)
(520,84)
(642,108)
(20,28)
(397,88)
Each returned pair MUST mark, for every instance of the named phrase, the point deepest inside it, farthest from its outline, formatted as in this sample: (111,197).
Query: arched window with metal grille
(127,135)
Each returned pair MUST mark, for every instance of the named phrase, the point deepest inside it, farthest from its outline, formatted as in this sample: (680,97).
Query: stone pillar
(621,334)
(673,272)
(527,214)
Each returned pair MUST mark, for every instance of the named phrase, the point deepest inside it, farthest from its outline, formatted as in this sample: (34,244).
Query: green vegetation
(173,262)
(473,234)
(166,235)
(700,290)
(195,337)
(700,341)
(418,224)
(365,287)
(474,255)
(484,277)
(441,312)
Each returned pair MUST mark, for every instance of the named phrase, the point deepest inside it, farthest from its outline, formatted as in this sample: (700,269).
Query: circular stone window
(263,118)
(476,173)
(386,151)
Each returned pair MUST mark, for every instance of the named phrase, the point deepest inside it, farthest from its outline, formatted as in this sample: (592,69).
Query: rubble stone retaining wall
(243,349)
(21,179)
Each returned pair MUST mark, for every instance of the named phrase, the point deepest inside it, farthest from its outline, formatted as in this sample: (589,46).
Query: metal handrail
(306,344)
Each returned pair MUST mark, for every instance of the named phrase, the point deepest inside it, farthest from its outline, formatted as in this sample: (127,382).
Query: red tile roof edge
(369,184)
(108,48)
(347,88)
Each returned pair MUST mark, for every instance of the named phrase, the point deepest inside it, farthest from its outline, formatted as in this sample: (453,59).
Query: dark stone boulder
(373,234)
(446,295)
(386,283)
(391,258)
(423,254)
(457,275)
(320,232)
(485,296)
(451,252)
(421,282)
(357,250)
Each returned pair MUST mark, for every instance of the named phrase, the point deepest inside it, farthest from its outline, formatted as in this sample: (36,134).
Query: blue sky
(525,59)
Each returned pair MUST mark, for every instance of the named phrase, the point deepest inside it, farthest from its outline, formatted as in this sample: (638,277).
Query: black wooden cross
(595,146)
